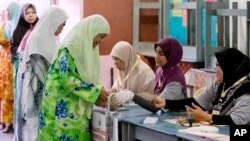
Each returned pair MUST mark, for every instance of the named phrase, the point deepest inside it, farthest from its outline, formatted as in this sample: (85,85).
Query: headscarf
(22,27)
(234,65)
(42,39)
(140,76)
(22,44)
(14,10)
(170,72)
(79,42)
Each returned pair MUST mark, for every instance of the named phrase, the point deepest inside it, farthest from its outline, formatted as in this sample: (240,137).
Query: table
(133,128)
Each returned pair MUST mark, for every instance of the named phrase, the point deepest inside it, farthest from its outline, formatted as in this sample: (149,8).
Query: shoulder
(244,97)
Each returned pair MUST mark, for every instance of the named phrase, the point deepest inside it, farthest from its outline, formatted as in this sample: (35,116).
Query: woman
(227,101)
(134,74)
(26,21)
(6,68)
(37,57)
(71,86)
(170,81)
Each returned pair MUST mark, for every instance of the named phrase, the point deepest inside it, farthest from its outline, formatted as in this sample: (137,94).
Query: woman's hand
(113,91)
(159,102)
(198,114)
(102,99)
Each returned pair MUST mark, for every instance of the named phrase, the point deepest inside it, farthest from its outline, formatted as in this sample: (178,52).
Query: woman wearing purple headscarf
(170,81)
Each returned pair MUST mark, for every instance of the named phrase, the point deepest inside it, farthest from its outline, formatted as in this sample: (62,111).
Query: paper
(214,136)
(206,129)
(150,120)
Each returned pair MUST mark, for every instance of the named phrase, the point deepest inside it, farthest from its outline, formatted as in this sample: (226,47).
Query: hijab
(125,52)
(235,65)
(170,72)
(140,76)
(22,27)
(79,42)
(14,10)
(42,39)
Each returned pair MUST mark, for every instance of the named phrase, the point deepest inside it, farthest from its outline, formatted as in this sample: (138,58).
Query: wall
(105,75)
(74,10)
(119,13)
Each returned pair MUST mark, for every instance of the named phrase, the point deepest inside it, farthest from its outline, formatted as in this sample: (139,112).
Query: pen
(190,120)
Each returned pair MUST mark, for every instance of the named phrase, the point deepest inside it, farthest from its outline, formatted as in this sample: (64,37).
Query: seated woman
(134,74)
(227,101)
(170,81)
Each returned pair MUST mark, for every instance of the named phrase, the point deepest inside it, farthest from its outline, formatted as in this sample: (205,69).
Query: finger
(195,106)
(189,109)
(158,98)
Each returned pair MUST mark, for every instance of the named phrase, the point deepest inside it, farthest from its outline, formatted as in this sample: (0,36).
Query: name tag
(215,112)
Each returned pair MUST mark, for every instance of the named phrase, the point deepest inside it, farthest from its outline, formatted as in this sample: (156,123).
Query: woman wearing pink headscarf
(134,74)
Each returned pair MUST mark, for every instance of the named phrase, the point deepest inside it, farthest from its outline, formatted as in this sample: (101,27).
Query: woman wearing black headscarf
(26,22)
(226,101)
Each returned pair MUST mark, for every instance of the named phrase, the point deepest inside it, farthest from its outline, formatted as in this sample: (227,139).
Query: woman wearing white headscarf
(134,74)
(72,84)
(37,57)
(6,68)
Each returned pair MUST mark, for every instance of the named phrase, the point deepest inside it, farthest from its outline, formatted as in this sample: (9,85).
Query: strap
(121,82)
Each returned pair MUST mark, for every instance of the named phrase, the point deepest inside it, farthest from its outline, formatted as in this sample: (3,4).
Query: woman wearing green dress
(71,85)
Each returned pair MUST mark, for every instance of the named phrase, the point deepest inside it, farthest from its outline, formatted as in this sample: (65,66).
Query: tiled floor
(6,136)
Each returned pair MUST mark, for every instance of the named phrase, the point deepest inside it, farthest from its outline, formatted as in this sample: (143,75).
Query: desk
(132,111)
(133,128)
(197,79)
(102,122)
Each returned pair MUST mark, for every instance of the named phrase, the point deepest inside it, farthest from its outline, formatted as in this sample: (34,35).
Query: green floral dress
(60,118)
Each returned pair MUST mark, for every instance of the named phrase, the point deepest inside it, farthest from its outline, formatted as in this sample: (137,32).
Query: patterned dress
(65,111)
(29,100)
(6,82)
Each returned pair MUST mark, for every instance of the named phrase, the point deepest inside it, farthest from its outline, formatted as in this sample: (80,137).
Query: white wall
(75,10)
(106,64)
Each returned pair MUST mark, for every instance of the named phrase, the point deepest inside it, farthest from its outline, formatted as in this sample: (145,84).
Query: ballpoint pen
(190,120)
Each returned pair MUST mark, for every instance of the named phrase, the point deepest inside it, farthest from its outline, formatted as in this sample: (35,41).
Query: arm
(239,113)
(71,80)
(173,104)
(172,91)
(199,114)
(179,104)
(206,96)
